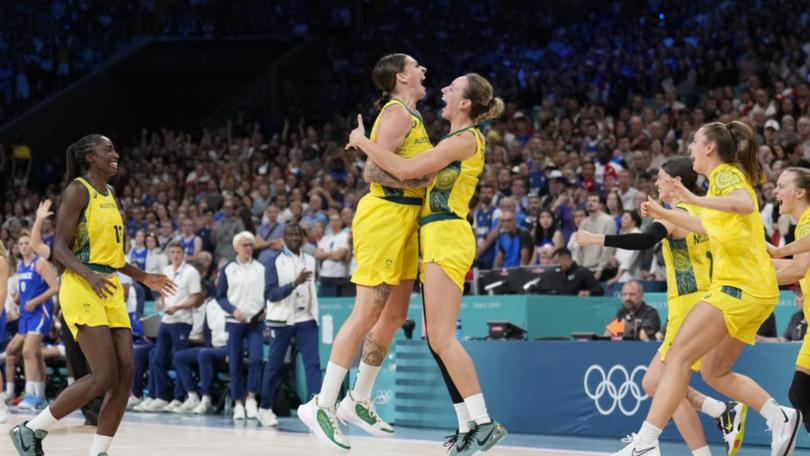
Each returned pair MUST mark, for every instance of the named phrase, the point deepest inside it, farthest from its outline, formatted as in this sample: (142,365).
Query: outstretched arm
(40,248)
(737,200)
(394,126)
(683,219)
(794,248)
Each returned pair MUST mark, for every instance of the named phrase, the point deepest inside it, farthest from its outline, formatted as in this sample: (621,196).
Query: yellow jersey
(687,261)
(416,142)
(99,238)
(802,230)
(738,254)
(449,195)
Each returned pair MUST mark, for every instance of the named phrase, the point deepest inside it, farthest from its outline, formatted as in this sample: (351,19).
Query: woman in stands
(743,289)
(89,236)
(686,256)
(447,240)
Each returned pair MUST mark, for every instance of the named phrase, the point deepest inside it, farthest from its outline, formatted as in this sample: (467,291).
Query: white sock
(477,408)
(648,435)
(39,389)
(206,399)
(712,407)
(331,385)
(192,395)
(702,451)
(71,380)
(101,443)
(463,417)
(43,421)
(29,388)
(10,389)
(366,375)
(771,411)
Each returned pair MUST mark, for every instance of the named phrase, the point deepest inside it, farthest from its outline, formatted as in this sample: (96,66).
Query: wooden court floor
(150,437)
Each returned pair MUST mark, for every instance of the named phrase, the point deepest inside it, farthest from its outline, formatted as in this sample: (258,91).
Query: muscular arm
(373,173)
(794,248)
(394,126)
(684,220)
(793,271)
(736,202)
(74,199)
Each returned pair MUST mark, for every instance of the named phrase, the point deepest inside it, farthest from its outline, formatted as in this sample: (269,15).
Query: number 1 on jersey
(711,264)
(119,232)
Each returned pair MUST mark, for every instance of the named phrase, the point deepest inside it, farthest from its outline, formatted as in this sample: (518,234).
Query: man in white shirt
(175,325)
(333,249)
(292,312)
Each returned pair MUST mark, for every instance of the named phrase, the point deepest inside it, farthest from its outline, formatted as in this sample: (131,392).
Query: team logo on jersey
(95,194)
(87,307)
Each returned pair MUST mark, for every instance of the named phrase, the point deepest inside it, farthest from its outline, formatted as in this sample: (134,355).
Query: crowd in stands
(596,102)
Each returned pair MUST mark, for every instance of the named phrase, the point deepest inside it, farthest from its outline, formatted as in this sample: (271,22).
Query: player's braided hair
(76,155)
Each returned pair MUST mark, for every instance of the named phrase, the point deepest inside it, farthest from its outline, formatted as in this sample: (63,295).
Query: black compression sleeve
(638,241)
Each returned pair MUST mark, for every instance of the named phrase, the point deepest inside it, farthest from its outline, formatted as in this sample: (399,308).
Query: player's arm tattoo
(373,173)
(373,353)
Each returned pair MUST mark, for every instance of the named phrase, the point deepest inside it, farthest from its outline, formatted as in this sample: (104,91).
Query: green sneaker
(363,415)
(481,438)
(323,422)
(26,441)
(455,442)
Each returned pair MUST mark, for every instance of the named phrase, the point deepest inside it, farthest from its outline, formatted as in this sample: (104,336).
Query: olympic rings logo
(617,384)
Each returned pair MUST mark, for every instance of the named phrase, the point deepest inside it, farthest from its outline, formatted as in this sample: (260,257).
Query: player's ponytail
(384,76)
(76,156)
(485,106)
(736,144)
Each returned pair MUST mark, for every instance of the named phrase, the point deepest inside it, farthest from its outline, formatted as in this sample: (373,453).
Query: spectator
(139,251)
(225,231)
(241,293)
(292,312)
(569,278)
(485,226)
(593,257)
(635,320)
(269,234)
(615,207)
(333,253)
(628,192)
(627,261)
(514,245)
(175,327)
(314,213)
(546,234)
(156,260)
(192,244)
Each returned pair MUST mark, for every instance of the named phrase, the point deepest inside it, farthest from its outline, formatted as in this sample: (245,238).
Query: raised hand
(652,209)
(357,134)
(680,192)
(582,237)
(44,209)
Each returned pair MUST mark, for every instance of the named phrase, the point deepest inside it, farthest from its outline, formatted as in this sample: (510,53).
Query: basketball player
(447,240)
(385,247)
(5,268)
(742,294)
(89,245)
(793,194)
(686,256)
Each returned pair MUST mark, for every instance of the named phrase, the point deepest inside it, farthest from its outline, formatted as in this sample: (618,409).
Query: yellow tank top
(416,142)
(449,195)
(99,237)
(802,230)
(740,259)
(687,261)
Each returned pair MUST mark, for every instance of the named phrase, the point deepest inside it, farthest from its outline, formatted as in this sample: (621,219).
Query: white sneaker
(172,407)
(323,422)
(635,448)
(238,411)
(251,409)
(190,404)
(133,402)
(267,418)
(155,406)
(204,407)
(783,438)
(143,404)
(363,415)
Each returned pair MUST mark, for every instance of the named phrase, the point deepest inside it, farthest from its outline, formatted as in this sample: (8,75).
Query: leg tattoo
(373,353)
(381,293)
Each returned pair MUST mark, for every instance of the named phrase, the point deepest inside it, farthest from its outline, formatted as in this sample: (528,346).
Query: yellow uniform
(743,280)
(802,230)
(384,227)
(446,237)
(99,244)
(687,265)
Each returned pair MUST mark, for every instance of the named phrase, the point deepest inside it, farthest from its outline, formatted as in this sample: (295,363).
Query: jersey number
(711,265)
(119,232)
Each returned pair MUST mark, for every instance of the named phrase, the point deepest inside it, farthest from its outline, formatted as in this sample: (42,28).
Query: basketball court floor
(160,434)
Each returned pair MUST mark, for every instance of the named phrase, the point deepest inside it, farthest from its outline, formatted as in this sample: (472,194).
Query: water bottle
(459,336)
